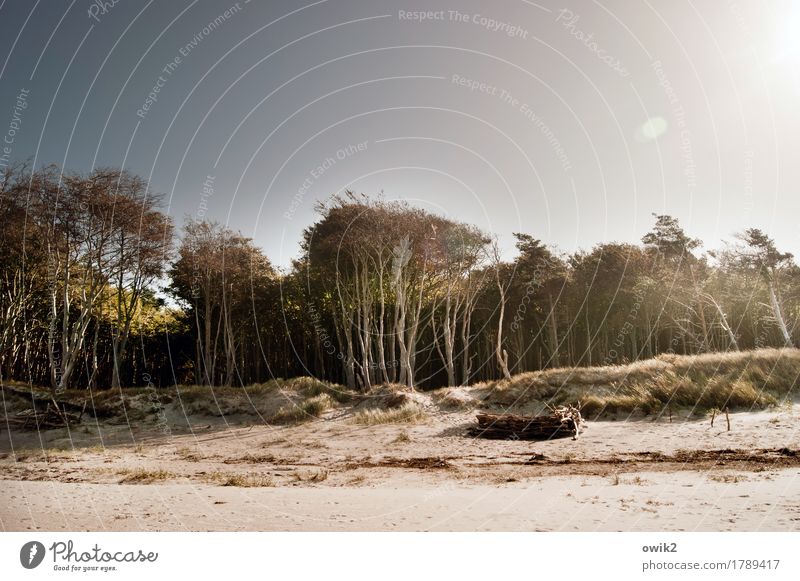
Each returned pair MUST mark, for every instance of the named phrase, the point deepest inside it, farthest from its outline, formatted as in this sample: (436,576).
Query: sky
(572,121)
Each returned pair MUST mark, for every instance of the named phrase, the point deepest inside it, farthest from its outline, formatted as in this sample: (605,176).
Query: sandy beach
(330,475)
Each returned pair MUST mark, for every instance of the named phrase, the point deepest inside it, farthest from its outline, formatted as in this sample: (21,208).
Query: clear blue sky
(572,121)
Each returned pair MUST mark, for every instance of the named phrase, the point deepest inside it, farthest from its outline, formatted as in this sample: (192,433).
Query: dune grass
(736,380)
(409,413)
(692,384)
(144,476)
(449,398)
(304,410)
(281,401)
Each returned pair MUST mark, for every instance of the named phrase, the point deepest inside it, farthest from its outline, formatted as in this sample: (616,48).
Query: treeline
(97,290)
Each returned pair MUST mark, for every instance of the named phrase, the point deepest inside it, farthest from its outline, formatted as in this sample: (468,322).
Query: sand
(332,475)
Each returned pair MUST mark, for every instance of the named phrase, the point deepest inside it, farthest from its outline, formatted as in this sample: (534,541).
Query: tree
(463,251)
(77,219)
(760,254)
(676,296)
(392,272)
(383,292)
(503,281)
(141,245)
(669,239)
(540,279)
(217,276)
(22,279)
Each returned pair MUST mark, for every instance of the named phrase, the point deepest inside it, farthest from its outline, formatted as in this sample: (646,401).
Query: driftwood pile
(45,413)
(562,422)
(35,419)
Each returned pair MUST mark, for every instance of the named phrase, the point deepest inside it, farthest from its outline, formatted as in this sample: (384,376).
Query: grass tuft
(402,438)
(303,411)
(242,480)
(409,413)
(143,476)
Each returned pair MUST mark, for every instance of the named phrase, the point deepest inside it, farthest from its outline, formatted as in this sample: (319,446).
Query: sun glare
(787,44)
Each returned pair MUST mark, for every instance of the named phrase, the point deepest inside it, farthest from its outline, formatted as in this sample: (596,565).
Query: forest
(99,289)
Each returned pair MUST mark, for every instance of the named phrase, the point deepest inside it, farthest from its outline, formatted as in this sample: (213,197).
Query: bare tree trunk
(400,332)
(395,368)
(208,369)
(724,322)
(413,334)
(381,325)
(365,307)
(344,331)
(199,365)
(93,376)
(228,341)
(588,331)
(554,347)
(778,314)
(466,363)
(449,332)
(501,354)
